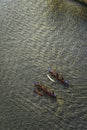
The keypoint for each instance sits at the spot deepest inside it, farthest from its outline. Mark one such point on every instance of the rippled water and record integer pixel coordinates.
(35, 35)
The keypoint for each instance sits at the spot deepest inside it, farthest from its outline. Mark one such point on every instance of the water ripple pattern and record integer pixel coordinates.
(36, 35)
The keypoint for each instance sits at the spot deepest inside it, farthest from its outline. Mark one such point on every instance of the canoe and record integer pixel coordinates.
(45, 89)
(58, 77)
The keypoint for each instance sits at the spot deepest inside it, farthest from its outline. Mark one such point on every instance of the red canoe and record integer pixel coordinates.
(45, 89)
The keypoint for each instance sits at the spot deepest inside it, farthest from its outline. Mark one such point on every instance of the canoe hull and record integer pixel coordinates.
(54, 75)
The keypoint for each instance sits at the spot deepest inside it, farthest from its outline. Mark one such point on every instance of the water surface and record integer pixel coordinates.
(35, 35)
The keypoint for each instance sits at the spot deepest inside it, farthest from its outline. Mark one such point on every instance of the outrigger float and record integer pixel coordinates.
(44, 89)
(58, 77)
(38, 92)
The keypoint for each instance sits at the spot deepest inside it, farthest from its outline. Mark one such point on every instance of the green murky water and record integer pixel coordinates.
(35, 35)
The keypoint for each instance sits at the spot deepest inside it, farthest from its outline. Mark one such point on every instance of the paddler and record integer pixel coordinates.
(60, 77)
(50, 91)
(57, 75)
(54, 73)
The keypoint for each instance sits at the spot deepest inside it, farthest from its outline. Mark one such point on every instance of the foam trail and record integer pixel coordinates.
(50, 78)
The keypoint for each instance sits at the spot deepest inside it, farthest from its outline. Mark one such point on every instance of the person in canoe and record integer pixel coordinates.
(51, 92)
(59, 76)
(54, 73)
